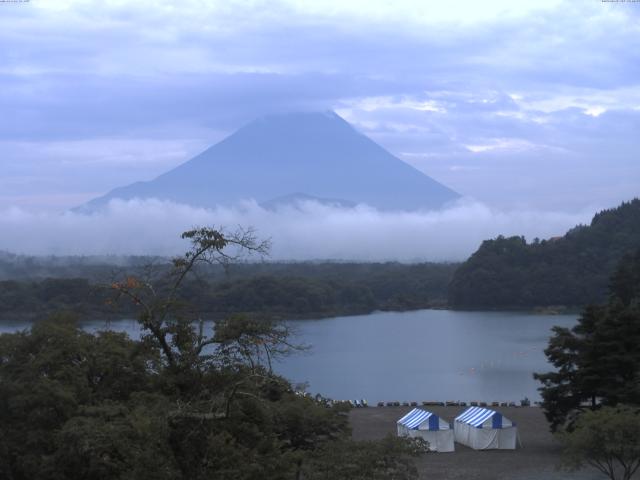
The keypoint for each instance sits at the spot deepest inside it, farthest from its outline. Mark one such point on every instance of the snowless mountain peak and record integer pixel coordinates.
(315, 154)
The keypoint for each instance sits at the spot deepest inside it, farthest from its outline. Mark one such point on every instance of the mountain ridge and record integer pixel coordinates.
(318, 155)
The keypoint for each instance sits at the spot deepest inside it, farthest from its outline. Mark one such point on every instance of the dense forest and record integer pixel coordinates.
(597, 361)
(180, 403)
(569, 271)
(591, 397)
(572, 270)
(284, 290)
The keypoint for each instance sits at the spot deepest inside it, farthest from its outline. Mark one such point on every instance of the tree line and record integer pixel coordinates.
(572, 270)
(592, 397)
(276, 290)
(505, 272)
(181, 402)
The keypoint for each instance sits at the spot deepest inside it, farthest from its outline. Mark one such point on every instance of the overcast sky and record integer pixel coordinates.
(530, 110)
(518, 105)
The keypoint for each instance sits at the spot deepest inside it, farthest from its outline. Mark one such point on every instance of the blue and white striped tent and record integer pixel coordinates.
(483, 429)
(428, 426)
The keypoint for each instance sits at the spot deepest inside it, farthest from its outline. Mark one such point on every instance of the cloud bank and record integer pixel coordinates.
(305, 231)
(535, 102)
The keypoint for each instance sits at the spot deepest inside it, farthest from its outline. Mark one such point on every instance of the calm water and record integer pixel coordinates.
(421, 355)
(425, 355)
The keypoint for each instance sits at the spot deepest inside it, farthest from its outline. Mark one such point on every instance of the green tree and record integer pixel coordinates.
(571, 270)
(165, 317)
(607, 439)
(49, 376)
(179, 404)
(597, 362)
(381, 460)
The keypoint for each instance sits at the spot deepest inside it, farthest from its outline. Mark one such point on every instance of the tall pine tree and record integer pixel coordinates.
(598, 361)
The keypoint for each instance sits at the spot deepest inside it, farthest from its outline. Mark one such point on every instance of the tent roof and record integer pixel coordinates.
(476, 416)
(415, 417)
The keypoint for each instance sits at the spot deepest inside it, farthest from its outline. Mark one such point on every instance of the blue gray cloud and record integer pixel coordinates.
(305, 231)
(531, 104)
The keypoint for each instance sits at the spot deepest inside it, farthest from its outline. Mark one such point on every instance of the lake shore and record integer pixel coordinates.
(537, 459)
(479, 356)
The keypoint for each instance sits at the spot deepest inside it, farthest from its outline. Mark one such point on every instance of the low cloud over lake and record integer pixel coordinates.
(305, 231)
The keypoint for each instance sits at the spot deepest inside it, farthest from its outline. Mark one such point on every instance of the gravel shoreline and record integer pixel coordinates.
(537, 459)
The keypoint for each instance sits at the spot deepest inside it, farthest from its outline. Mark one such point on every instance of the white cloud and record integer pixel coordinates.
(306, 231)
(421, 12)
(595, 111)
(405, 11)
(117, 152)
(463, 168)
(74, 71)
(372, 104)
(507, 144)
(591, 100)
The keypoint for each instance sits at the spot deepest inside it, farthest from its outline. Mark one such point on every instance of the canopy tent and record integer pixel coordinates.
(484, 429)
(428, 426)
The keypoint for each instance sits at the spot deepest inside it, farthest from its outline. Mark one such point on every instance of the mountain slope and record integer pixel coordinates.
(573, 270)
(314, 154)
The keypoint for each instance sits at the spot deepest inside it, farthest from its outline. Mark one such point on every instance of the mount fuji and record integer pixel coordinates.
(289, 157)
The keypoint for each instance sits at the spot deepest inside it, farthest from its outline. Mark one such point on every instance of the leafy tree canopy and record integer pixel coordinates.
(181, 403)
(597, 362)
(572, 270)
(607, 439)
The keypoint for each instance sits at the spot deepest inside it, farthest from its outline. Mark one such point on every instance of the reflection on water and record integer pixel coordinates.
(425, 355)
(405, 356)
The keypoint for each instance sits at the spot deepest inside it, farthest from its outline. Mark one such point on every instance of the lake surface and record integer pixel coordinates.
(405, 356)
(425, 355)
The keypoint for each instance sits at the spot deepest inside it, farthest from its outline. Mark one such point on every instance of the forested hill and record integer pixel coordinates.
(573, 270)
(283, 290)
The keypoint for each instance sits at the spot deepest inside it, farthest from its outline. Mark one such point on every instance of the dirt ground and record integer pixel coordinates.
(537, 459)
